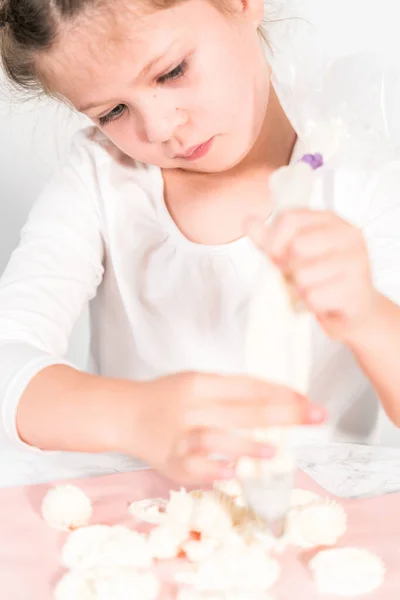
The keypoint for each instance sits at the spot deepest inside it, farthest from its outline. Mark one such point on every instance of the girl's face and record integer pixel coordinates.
(186, 87)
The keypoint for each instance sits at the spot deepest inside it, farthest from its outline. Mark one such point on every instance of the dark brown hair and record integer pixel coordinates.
(31, 27)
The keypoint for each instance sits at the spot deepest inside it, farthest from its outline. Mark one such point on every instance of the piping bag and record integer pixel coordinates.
(278, 349)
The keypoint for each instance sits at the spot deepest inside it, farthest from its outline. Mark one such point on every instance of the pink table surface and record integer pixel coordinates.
(29, 548)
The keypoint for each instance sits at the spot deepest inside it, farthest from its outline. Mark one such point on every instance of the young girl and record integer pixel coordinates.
(147, 219)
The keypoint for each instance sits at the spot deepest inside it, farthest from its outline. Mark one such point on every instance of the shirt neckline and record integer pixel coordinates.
(238, 245)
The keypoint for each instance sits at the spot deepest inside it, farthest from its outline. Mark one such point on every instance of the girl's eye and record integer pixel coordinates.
(176, 73)
(113, 115)
(119, 110)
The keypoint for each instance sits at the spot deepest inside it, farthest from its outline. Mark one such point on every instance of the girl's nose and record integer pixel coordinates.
(160, 125)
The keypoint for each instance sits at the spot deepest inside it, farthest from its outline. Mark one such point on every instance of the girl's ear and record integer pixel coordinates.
(253, 9)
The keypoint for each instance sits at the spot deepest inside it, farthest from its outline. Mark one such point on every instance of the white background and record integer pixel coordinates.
(34, 135)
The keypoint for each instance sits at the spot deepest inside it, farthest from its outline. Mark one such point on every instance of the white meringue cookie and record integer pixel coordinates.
(165, 541)
(66, 507)
(180, 507)
(75, 585)
(239, 568)
(105, 546)
(347, 572)
(302, 497)
(319, 523)
(124, 584)
(199, 550)
(107, 584)
(232, 488)
(210, 518)
(150, 511)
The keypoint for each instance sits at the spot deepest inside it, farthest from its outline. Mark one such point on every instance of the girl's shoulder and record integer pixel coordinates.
(94, 179)
(363, 195)
(97, 161)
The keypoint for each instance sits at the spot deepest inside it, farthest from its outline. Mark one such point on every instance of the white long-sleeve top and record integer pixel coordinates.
(159, 303)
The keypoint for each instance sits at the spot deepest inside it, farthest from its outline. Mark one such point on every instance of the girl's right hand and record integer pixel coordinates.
(185, 419)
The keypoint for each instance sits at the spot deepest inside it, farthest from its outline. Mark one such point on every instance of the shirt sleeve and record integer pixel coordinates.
(381, 227)
(50, 277)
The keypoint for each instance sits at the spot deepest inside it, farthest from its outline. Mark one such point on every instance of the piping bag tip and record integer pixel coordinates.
(269, 498)
(277, 527)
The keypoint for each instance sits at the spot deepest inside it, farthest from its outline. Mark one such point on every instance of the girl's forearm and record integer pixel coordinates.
(377, 350)
(65, 409)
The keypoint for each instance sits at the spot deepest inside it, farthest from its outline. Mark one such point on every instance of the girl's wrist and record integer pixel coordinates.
(363, 337)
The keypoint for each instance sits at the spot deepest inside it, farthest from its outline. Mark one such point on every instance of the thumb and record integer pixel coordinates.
(259, 233)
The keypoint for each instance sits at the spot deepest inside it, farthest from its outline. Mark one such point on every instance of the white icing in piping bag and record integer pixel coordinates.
(278, 349)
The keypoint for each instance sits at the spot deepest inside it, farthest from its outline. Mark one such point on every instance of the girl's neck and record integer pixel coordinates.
(275, 144)
(208, 209)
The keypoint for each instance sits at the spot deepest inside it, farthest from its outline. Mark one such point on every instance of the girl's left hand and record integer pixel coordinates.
(326, 261)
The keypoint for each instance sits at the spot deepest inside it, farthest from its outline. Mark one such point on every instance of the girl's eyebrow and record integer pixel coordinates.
(155, 60)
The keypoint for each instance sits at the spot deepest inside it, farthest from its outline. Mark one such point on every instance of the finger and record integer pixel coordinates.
(249, 415)
(240, 388)
(199, 468)
(274, 239)
(237, 398)
(198, 471)
(293, 241)
(219, 442)
(331, 299)
(260, 233)
(312, 243)
(317, 273)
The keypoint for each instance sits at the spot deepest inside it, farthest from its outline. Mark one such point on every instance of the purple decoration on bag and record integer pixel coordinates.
(315, 161)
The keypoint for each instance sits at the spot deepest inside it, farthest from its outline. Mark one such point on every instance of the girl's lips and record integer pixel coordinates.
(196, 152)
